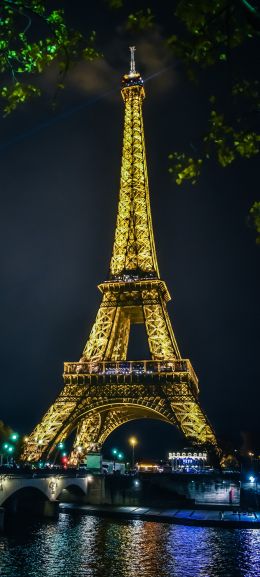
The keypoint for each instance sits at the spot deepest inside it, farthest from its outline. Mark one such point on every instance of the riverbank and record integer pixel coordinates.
(198, 517)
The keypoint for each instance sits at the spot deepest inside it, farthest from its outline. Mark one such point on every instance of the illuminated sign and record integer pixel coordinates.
(188, 455)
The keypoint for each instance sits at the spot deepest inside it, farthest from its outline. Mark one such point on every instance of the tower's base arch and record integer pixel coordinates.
(95, 410)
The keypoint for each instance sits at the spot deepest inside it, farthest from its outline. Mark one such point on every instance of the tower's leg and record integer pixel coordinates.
(102, 329)
(53, 426)
(110, 333)
(162, 342)
(87, 437)
(118, 350)
(191, 419)
(94, 429)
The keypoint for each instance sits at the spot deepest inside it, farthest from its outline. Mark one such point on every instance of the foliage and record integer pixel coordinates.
(254, 214)
(223, 141)
(5, 431)
(141, 20)
(209, 40)
(32, 37)
(214, 34)
(230, 461)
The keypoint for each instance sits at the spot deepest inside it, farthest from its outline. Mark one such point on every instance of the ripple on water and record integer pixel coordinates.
(82, 546)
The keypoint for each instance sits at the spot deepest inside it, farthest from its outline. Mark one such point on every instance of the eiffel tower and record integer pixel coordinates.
(104, 390)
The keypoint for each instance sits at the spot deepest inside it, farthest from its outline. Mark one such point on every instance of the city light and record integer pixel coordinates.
(133, 442)
(14, 436)
(251, 479)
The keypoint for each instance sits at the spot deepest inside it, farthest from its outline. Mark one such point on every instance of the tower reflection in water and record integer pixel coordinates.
(83, 546)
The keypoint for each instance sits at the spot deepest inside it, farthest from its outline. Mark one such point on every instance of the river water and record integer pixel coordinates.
(76, 545)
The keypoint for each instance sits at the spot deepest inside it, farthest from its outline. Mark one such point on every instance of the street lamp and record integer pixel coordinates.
(8, 450)
(114, 453)
(133, 443)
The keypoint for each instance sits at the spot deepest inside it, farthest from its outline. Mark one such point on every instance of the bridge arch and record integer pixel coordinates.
(71, 493)
(25, 498)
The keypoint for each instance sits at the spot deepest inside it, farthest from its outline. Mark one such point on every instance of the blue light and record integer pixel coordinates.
(251, 479)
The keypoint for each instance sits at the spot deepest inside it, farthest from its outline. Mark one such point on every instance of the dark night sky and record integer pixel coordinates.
(59, 185)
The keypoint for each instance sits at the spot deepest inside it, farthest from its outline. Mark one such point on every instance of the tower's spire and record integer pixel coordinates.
(132, 61)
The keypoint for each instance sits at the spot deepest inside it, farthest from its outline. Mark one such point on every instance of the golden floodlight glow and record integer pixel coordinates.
(104, 389)
(133, 441)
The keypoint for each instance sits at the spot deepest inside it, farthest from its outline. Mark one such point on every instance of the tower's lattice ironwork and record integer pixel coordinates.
(104, 390)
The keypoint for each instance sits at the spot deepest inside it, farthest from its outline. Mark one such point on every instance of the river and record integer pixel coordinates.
(76, 545)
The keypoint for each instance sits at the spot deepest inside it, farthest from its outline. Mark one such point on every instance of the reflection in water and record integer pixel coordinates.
(82, 546)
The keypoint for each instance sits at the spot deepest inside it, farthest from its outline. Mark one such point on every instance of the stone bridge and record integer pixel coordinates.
(41, 492)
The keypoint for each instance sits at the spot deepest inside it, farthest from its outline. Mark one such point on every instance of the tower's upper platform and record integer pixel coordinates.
(132, 82)
(133, 78)
(134, 255)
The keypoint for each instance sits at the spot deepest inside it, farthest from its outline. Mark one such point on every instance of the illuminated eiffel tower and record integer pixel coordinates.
(104, 390)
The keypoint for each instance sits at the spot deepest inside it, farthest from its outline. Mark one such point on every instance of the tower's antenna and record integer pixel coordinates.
(132, 61)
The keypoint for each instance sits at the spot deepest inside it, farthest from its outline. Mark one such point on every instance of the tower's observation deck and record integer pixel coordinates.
(104, 389)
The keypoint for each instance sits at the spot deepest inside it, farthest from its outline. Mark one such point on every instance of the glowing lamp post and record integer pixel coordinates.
(133, 443)
(114, 453)
(8, 451)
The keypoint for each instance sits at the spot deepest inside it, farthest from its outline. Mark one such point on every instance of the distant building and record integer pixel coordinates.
(188, 460)
(110, 467)
(148, 468)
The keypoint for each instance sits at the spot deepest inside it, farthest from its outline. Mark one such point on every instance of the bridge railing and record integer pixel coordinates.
(131, 368)
(43, 474)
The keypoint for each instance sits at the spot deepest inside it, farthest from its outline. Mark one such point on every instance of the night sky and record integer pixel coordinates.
(59, 189)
